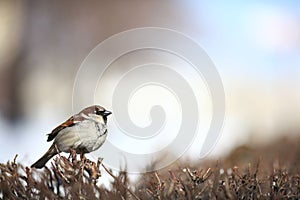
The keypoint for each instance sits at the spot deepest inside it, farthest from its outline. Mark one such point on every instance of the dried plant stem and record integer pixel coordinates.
(111, 174)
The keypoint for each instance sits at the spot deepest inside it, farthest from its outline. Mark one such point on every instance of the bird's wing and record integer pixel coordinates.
(70, 122)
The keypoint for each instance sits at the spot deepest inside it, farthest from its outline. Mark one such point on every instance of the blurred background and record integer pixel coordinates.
(254, 45)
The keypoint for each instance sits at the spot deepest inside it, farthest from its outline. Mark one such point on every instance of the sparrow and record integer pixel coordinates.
(83, 132)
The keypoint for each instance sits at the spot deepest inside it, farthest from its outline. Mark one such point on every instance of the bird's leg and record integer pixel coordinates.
(72, 154)
(82, 156)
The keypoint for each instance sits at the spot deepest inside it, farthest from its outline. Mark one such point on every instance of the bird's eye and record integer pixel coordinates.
(98, 112)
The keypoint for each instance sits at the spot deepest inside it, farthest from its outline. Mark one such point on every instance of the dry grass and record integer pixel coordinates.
(269, 172)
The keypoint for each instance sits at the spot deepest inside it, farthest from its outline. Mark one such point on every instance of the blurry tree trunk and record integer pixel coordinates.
(12, 49)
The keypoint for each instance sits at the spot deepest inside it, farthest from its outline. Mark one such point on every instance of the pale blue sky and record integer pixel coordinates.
(253, 39)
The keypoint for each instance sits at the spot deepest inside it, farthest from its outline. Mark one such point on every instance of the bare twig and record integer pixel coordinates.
(111, 174)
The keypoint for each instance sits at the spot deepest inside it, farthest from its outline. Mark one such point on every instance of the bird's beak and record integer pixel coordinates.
(106, 113)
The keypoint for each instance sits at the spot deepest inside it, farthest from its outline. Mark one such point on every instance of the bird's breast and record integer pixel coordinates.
(89, 135)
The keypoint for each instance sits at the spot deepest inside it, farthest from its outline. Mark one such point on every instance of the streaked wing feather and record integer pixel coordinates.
(70, 122)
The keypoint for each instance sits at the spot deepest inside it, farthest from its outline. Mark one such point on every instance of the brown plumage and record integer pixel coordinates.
(83, 132)
(47, 156)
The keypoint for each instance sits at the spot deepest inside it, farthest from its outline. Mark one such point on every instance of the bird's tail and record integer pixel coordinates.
(44, 159)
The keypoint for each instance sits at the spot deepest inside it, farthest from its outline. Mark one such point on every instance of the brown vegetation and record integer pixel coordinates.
(269, 172)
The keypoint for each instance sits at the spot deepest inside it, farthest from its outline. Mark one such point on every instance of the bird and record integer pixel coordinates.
(83, 132)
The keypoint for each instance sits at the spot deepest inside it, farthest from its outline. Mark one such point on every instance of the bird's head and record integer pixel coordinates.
(97, 113)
